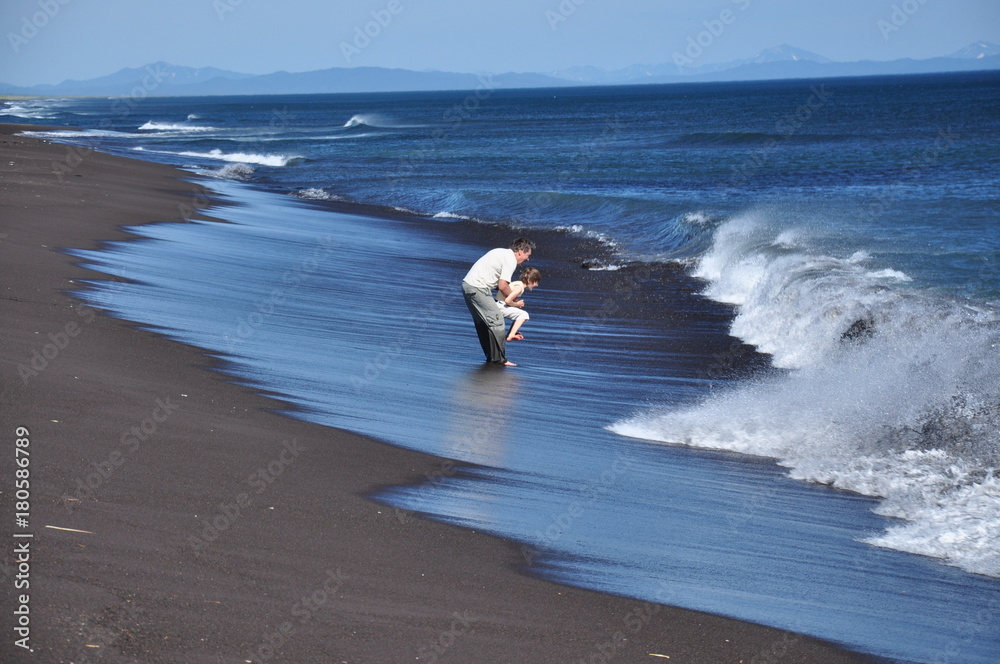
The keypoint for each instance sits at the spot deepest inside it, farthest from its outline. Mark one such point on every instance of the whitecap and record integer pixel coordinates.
(246, 158)
(889, 273)
(74, 134)
(377, 121)
(452, 215)
(173, 127)
(35, 109)
(889, 392)
(698, 218)
(317, 194)
(237, 171)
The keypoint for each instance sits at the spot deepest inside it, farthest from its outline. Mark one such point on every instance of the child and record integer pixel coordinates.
(513, 307)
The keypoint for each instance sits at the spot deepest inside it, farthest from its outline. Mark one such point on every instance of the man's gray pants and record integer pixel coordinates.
(489, 322)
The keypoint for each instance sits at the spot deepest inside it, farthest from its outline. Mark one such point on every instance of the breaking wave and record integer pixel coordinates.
(246, 158)
(890, 391)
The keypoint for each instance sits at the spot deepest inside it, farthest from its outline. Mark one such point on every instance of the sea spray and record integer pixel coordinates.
(889, 392)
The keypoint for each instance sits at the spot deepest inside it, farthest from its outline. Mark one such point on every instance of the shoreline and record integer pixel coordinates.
(136, 443)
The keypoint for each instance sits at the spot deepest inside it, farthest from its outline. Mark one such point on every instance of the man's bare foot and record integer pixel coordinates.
(515, 337)
(508, 363)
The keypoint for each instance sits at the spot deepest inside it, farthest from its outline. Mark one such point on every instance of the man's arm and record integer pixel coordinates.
(503, 287)
(509, 296)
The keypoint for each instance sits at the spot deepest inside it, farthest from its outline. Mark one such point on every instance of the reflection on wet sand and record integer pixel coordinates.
(482, 405)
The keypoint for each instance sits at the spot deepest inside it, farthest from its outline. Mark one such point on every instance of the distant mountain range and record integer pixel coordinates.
(786, 62)
(780, 62)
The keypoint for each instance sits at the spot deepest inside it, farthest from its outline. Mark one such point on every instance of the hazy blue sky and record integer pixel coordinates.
(48, 41)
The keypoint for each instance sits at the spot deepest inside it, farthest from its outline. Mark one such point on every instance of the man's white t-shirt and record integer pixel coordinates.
(496, 264)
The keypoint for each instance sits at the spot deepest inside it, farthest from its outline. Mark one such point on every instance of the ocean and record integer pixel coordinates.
(761, 376)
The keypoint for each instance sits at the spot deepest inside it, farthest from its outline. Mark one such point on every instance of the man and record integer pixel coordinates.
(495, 270)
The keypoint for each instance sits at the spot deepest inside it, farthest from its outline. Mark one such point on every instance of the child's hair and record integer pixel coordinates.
(531, 275)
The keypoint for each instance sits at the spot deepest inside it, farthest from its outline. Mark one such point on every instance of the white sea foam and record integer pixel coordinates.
(889, 273)
(35, 109)
(314, 193)
(237, 171)
(366, 119)
(583, 231)
(174, 127)
(452, 215)
(889, 392)
(77, 135)
(699, 218)
(246, 158)
(378, 120)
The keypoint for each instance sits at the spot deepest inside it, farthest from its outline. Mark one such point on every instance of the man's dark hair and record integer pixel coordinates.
(522, 244)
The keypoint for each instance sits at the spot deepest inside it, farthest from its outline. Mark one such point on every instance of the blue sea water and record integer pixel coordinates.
(761, 375)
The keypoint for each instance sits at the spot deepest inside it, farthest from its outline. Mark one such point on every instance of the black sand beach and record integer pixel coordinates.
(175, 517)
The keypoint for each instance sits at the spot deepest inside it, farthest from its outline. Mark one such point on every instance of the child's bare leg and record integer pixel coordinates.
(513, 335)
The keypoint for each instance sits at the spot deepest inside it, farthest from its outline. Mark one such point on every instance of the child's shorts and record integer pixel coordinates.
(513, 313)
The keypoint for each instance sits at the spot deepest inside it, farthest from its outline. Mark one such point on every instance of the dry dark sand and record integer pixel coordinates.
(292, 564)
